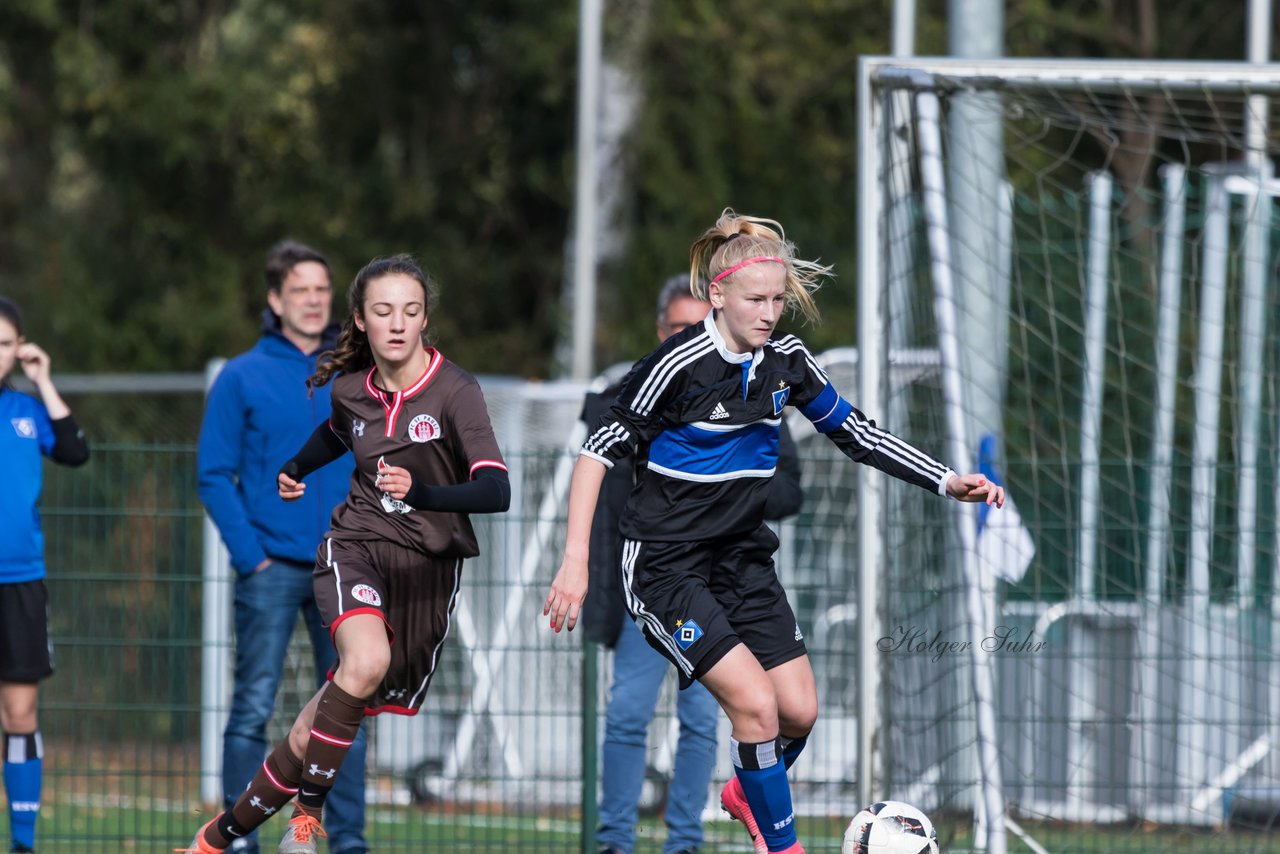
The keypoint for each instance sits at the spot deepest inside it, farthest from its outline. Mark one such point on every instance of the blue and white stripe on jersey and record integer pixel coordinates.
(707, 452)
(828, 410)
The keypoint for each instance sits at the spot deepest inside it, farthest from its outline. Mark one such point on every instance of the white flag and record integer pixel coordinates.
(1005, 546)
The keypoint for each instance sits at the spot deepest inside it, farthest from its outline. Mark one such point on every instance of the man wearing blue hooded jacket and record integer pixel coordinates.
(259, 412)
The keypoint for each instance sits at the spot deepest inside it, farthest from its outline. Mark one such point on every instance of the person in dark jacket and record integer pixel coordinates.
(31, 428)
(258, 412)
(638, 669)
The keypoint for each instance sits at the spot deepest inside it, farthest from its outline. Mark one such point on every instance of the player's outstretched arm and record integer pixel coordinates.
(974, 488)
(569, 587)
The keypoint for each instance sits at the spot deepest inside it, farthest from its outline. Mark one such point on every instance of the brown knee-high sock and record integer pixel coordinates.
(338, 717)
(271, 788)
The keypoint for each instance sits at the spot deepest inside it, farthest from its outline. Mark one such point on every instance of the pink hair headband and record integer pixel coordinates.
(736, 267)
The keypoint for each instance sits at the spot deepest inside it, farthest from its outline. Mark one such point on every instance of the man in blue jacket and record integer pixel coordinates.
(258, 413)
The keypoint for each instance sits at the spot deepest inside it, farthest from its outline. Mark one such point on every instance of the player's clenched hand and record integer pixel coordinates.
(393, 480)
(289, 489)
(974, 488)
(289, 482)
(569, 588)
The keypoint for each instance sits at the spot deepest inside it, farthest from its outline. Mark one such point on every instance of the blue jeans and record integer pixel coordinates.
(638, 671)
(266, 610)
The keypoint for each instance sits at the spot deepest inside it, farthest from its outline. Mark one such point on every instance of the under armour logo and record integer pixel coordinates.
(719, 412)
(357, 427)
(315, 771)
(396, 694)
(255, 801)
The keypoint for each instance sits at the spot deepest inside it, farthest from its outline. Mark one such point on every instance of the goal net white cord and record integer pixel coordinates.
(1086, 247)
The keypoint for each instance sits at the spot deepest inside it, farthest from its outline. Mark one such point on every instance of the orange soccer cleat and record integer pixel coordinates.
(300, 838)
(198, 845)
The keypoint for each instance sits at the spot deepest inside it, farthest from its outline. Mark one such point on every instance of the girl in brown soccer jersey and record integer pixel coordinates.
(387, 573)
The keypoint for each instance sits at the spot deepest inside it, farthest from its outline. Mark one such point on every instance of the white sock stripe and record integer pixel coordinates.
(23, 748)
(764, 754)
(330, 739)
(266, 769)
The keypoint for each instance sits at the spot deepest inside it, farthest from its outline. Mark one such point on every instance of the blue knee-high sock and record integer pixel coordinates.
(791, 748)
(23, 761)
(764, 783)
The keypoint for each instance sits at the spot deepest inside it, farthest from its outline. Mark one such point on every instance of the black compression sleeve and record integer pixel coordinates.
(322, 448)
(69, 445)
(489, 492)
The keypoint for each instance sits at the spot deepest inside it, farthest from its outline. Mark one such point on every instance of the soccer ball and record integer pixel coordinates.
(890, 827)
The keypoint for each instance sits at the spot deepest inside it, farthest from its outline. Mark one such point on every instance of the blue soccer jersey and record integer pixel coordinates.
(26, 435)
(704, 423)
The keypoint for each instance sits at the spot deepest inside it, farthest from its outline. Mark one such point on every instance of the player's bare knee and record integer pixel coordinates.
(797, 715)
(360, 675)
(299, 736)
(755, 718)
(17, 712)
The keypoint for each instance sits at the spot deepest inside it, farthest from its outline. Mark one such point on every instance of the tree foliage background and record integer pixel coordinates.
(150, 152)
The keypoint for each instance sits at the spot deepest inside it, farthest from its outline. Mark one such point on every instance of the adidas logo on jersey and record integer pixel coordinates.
(719, 412)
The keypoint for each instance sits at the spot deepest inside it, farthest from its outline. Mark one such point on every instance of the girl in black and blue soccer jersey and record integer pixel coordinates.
(32, 427)
(702, 414)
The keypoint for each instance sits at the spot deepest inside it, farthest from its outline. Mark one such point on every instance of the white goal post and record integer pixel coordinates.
(1085, 245)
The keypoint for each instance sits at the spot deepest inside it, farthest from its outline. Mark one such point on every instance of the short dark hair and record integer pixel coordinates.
(286, 255)
(9, 311)
(674, 288)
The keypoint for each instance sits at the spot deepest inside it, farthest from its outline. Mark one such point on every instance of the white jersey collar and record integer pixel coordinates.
(754, 357)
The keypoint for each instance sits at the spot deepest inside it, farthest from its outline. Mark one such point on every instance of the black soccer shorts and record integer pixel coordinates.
(695, 601)
(26, 654)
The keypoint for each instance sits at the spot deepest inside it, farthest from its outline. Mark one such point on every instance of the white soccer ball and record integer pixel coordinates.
(890, 827)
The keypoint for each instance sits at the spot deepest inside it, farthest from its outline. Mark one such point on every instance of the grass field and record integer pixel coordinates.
(79, 830)
(133, 798)
(71, 829)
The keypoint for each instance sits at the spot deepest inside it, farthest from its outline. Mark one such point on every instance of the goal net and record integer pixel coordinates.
(1085, 249)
